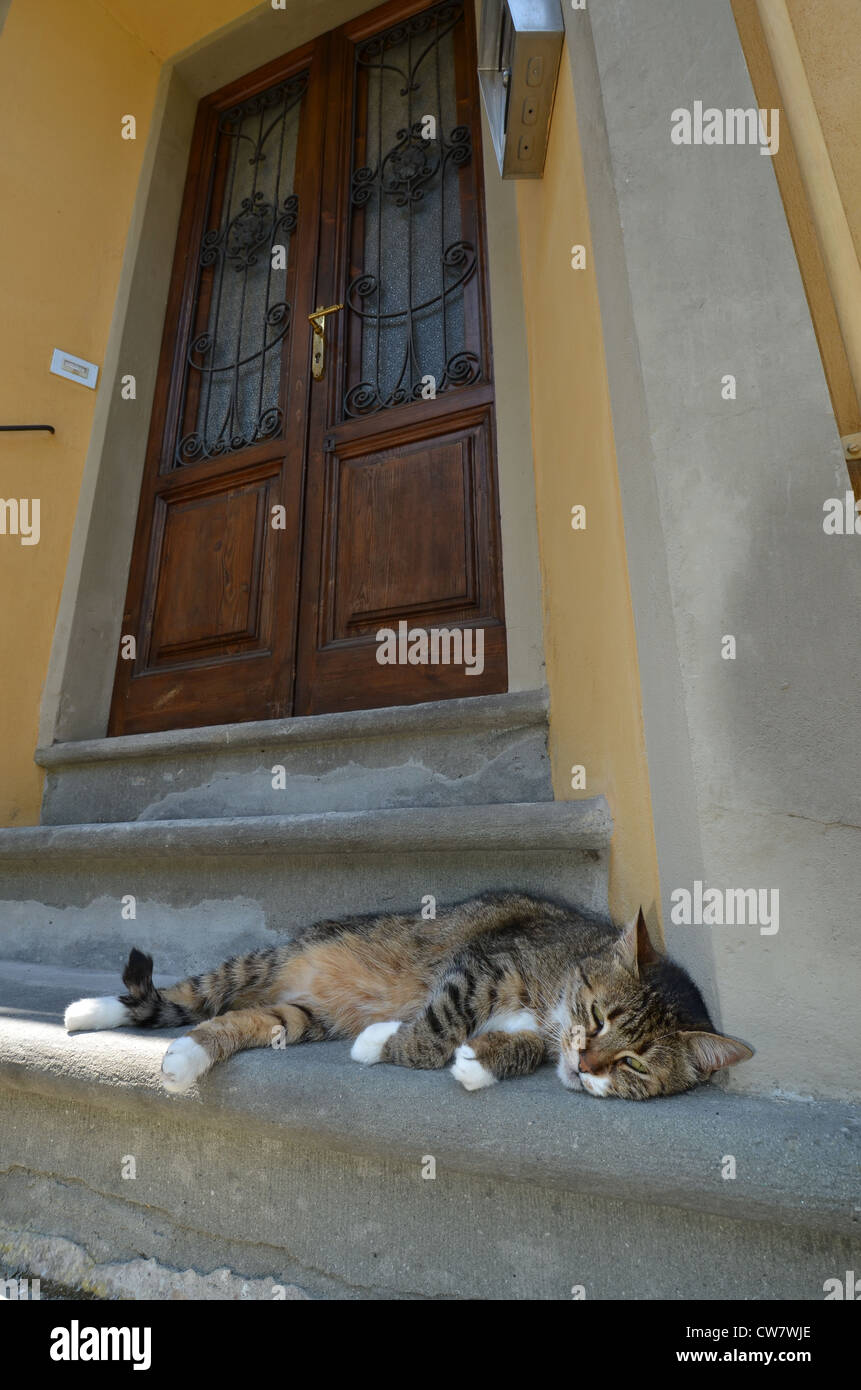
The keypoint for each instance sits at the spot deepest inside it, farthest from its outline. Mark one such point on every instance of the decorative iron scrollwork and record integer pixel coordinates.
(441, 20)
(408, 300)
(412, 165)
(231, 383)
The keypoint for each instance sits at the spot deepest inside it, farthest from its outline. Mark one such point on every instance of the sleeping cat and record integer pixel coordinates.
(495, 986)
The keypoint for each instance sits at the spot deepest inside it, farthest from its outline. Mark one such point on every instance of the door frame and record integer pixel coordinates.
(77, 695)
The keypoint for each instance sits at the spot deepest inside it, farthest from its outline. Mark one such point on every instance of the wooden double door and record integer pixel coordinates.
(304, 492)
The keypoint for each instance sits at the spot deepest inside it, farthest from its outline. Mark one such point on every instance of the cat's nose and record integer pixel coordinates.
(583, 1063)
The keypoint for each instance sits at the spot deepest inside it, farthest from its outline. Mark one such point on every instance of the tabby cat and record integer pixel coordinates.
(495, 986)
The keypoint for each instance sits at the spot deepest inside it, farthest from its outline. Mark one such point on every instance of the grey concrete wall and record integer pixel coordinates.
(76, 699)
(755, 774)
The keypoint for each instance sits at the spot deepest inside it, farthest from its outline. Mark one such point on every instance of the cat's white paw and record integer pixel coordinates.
(183, 1063)
(466, 1068)
(87, 1015)
(368, 1047)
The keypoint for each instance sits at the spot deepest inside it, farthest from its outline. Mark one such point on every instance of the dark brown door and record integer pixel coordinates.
(291, 518)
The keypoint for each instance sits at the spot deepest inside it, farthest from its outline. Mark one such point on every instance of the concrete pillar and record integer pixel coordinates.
(754, 764)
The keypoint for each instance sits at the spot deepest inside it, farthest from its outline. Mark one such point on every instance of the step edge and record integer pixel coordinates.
(516, 709)
(584, 824)
(826, 1208)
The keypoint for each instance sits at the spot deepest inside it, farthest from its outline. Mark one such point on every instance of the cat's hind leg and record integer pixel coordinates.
(277, 1025)
(497, 1056)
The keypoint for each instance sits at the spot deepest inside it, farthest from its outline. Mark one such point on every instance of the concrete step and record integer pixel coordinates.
(208, 888)
(301, 1169)
(451, 752)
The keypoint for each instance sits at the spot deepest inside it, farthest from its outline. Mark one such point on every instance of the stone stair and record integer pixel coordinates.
(479, 751)
(303, 1170)
(207, 888)
(370, 811)
(298, 1167)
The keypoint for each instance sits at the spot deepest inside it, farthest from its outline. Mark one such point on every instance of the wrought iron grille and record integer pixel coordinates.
(232, 370)
(409, 297)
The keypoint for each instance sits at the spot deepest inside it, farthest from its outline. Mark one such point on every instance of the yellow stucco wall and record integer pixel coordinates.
(829, 38)
(65, 167)
(829, 41)
(64, 162)
(68, 73)
(590, 648)
(165, 27)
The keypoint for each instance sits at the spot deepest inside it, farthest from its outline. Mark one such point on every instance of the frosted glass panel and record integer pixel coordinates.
(231, 384)
(406, 195)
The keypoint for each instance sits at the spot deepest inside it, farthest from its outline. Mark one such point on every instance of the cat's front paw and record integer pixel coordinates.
(184, 1063)
(368, 1047)
(466, 1068)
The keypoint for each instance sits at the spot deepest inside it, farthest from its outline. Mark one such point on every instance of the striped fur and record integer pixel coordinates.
(499, 984)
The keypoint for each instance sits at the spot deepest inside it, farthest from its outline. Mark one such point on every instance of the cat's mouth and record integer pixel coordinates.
(569, 1074)
(573, 1079)
(595, 1085)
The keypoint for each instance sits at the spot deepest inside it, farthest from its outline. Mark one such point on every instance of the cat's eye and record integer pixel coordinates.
(598, 1016)
(635, 1064)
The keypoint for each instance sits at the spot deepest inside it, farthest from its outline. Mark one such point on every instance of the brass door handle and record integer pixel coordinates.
(317, 321)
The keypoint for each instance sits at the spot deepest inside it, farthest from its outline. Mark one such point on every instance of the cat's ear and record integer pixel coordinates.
(646, 953)
(635, 948)
(626, 948)
(711, 1051)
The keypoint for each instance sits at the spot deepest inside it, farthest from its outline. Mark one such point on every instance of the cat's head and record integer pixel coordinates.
(635, 1025)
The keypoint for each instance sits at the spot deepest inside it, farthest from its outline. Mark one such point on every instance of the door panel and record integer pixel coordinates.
(210, 575)
(347, 173)
(410, 309)
(388, 563)
(231, 374)
(409, 535)
(402, 511)
(210, 620)
(214, 565)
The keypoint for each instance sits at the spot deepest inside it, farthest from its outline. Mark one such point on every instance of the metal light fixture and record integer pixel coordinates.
(518, 62)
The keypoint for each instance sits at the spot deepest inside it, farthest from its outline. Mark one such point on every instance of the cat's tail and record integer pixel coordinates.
(149, 1007)
(189, 1001)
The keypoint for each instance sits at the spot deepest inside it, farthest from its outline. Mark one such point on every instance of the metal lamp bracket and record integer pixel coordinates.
(519, 51)
(852, 447)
